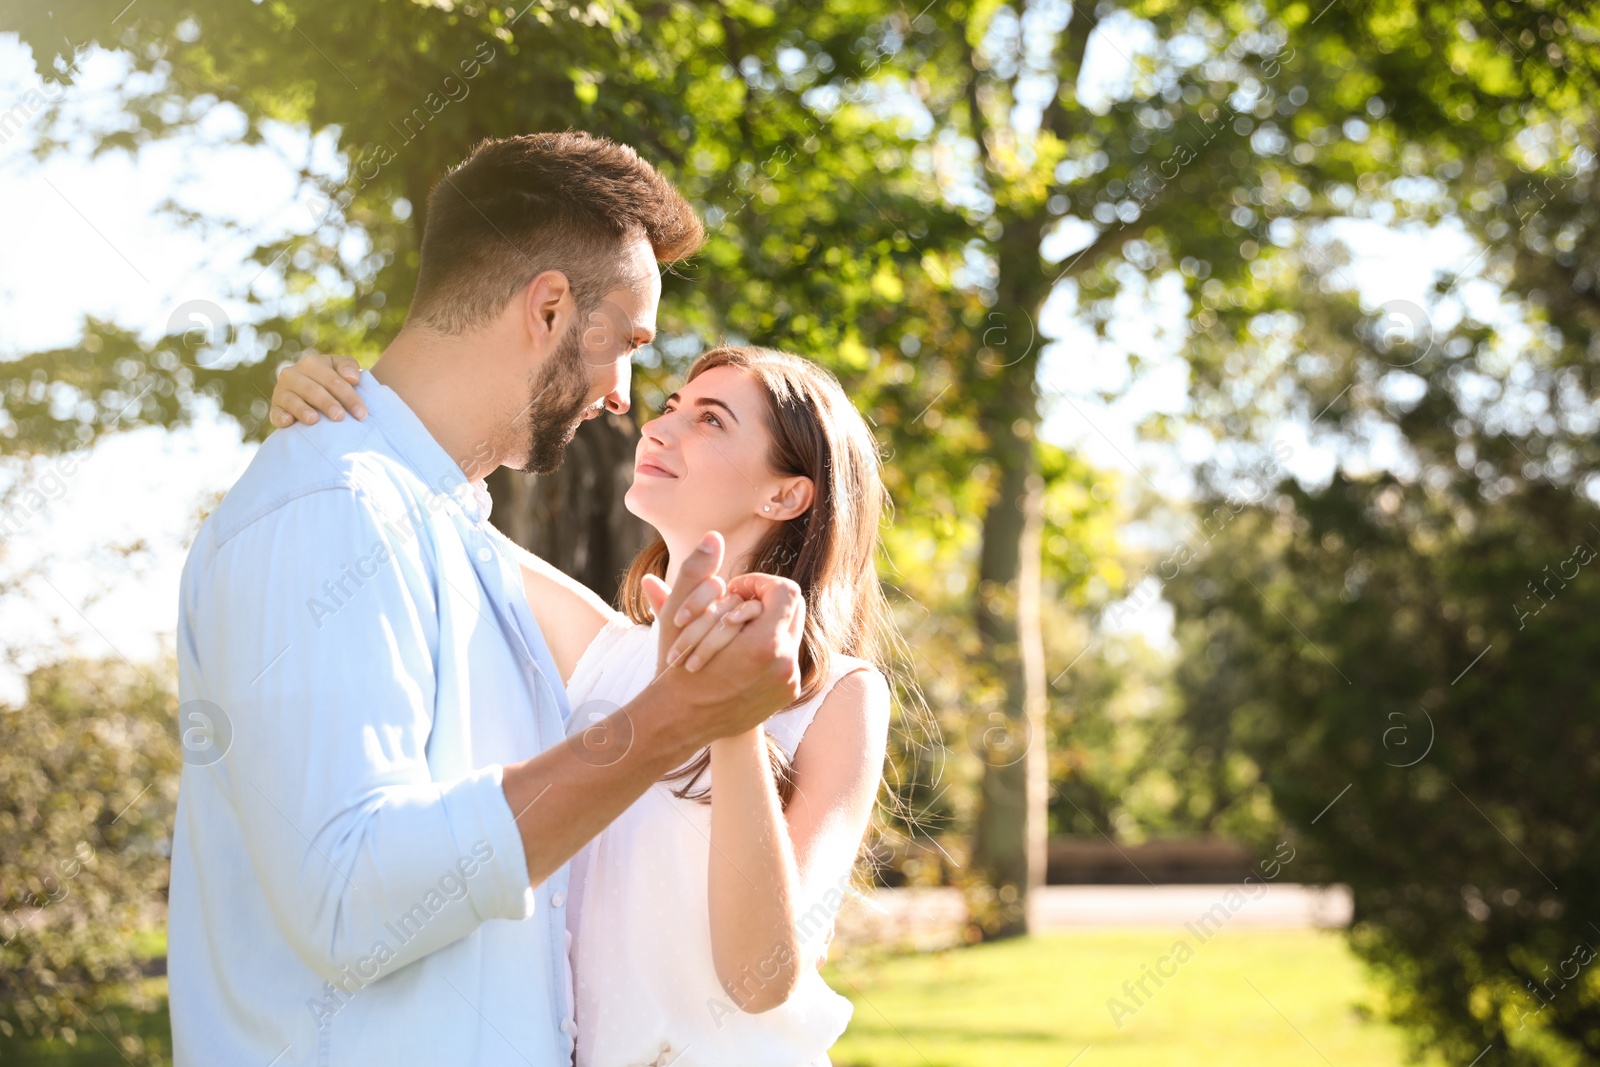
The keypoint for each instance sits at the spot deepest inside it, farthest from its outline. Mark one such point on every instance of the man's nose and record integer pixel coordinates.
(617, 399)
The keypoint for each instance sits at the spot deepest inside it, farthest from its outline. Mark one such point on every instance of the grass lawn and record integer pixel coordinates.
(1281, 997)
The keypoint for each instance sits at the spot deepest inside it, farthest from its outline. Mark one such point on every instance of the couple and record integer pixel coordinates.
(443, 805)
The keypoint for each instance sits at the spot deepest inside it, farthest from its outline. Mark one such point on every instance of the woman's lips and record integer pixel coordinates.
(654, 470)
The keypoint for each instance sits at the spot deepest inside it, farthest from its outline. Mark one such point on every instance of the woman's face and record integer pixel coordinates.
(702, 464)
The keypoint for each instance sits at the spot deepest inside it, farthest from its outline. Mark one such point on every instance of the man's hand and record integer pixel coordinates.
(716, 627)
(562, 799)
(758, 654)
(703, 618)
(713, 631)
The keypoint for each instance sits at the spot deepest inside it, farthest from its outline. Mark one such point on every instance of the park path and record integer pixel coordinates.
(932, 917)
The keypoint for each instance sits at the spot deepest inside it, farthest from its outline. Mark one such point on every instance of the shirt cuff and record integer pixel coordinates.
(481, 819)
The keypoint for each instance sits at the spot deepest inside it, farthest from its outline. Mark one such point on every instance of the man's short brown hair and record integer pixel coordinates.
(519, 206)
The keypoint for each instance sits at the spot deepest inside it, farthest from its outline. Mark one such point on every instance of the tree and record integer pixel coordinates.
(759, 113)
(1135, 181)
(1402, 649)
(397, 102)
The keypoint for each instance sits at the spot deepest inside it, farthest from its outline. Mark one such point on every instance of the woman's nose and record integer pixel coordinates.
(667, 427)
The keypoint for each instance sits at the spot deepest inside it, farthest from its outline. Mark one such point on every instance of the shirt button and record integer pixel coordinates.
(485, 555)
(557, 899)
(566, 1026)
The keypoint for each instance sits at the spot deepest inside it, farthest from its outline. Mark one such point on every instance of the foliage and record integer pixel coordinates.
(935, 772)
(1423, 719)
(881, 190)
(830, 230)
(658, 76)
(90, 767)
(1434, 590)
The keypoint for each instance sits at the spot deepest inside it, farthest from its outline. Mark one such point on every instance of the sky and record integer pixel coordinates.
(88, 237)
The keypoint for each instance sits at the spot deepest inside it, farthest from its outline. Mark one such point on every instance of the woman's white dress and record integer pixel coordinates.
(646, 990)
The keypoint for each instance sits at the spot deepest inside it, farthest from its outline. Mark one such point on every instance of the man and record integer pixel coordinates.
(378, 805)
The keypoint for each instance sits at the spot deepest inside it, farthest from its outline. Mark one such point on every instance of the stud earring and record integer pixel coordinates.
(766, 507)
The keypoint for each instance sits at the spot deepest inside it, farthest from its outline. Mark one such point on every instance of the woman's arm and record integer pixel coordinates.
(568, 612)
(765, 861)
(837, 771)
(317, 383)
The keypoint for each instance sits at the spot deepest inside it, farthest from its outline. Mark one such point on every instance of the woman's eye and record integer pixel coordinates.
(711, 417)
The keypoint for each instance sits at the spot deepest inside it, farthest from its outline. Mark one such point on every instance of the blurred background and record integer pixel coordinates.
(1234, 364)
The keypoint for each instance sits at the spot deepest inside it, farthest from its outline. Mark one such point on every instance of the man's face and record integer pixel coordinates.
(558, 397)
(590, 371)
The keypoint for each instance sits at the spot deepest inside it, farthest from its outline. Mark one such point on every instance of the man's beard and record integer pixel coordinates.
(558, 398)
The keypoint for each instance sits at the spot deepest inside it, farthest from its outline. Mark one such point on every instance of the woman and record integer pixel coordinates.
(699, 916)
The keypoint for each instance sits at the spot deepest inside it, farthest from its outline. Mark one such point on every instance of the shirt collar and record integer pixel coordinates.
(421, 452)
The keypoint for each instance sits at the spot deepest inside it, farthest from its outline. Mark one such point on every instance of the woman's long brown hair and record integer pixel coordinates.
(829, 551)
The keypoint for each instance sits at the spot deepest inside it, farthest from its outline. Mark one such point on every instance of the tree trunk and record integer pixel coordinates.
(1009, 840)
(1013, 812)
(574, 518)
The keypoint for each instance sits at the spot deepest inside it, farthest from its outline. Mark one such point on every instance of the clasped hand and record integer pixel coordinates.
(757, 619)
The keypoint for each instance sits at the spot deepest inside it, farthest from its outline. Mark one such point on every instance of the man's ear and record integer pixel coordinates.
(548, 307)
(794, 498)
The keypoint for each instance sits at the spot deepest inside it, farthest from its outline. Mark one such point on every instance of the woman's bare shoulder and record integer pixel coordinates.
(570, 614)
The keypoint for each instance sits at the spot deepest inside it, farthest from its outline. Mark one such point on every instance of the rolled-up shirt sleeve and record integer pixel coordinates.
(325, 655)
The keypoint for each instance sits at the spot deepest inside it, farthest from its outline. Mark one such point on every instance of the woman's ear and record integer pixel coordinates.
(793, 499)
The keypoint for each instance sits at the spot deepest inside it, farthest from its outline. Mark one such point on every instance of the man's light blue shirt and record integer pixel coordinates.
(357, 663)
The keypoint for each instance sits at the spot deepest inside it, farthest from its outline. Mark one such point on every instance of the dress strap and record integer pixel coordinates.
(788, 727)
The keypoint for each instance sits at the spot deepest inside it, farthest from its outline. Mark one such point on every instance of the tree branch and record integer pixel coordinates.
(980, 126)
(1084, 259)
(1070, 49)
